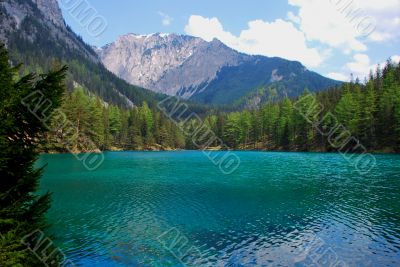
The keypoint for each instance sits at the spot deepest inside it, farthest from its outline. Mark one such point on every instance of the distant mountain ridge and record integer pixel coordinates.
(36, 35)
(205, 72)
(168, 63)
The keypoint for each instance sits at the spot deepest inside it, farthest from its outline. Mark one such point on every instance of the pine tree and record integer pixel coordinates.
(178, 137)
(96, 123)
(106, 124)
(368, 113)
(256, 127)
(348, 111)
(115, 123)
(270, 115)
(396, 103)
(386, 114)
(78, 113)
(305, 116)
(286, 124)
(148, 124)
(232, 130)
(245, 127)
(21, 208)
(123, 134)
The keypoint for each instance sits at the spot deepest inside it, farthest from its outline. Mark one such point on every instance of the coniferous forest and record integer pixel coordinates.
(370, 111)
(110, 127)
(22, 208)
(225, 199)
(98, 106)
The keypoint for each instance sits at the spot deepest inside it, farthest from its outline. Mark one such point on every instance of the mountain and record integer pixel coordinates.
(36, 35)
(32, 20)
(167, 63)
(206, 72)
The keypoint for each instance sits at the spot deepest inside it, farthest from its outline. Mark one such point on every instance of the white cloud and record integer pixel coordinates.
(208, 29)
(387, 15)
(344, 24)
(166, 19)
(382, 5)
(338, 76)
(278, 38)
(320, 21)
(395, 59)
(360, 67)
(292, 17)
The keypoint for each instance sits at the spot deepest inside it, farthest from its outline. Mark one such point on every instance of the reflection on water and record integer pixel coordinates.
(176, 208)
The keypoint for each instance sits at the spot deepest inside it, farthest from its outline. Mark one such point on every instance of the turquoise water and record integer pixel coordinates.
(178, 209)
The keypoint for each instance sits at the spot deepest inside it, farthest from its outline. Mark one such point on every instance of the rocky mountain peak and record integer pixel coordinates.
(50, 22)
(144, 59)
(51, 10)
(207, 72)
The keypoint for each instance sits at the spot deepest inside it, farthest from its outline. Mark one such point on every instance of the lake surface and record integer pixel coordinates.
(177, 209)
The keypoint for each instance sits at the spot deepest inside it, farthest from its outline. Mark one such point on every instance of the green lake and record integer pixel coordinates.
(179, 209)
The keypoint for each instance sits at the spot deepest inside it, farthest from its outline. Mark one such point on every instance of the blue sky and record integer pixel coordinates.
(332, 37)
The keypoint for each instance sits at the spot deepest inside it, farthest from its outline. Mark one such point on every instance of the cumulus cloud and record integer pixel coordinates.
(347, 24)
(395, 59)
(314, 31)
(166, 19)
(292, 17)
(360, 67)
(208, 29)
(338, 76)
(278, 38)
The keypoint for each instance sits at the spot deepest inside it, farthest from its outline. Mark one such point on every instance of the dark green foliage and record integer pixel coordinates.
(99, 126)
(237, 84)
(40, 55)
(21, 209)
(371, 112)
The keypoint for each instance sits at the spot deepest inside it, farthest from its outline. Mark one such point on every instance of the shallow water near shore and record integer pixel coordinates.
(177, 209)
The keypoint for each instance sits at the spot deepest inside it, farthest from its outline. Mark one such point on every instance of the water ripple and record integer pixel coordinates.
(277, 209)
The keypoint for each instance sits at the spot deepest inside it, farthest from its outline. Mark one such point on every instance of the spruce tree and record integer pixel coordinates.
(96, 124)
(21, 128)
(368, 112)
(148, 124)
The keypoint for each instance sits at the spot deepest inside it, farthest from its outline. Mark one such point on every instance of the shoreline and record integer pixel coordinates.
(377, 152)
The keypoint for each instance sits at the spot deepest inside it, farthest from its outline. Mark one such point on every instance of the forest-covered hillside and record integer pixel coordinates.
(369, 112)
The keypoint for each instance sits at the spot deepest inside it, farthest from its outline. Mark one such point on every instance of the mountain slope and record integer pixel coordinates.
(36, 35)
(289, 77)
(167, 63)
(206, 72)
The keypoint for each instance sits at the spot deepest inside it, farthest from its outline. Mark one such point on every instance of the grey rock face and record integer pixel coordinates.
(11, 16)
(168, 63)
(13, 13)
(205, 72)
(51, 10)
